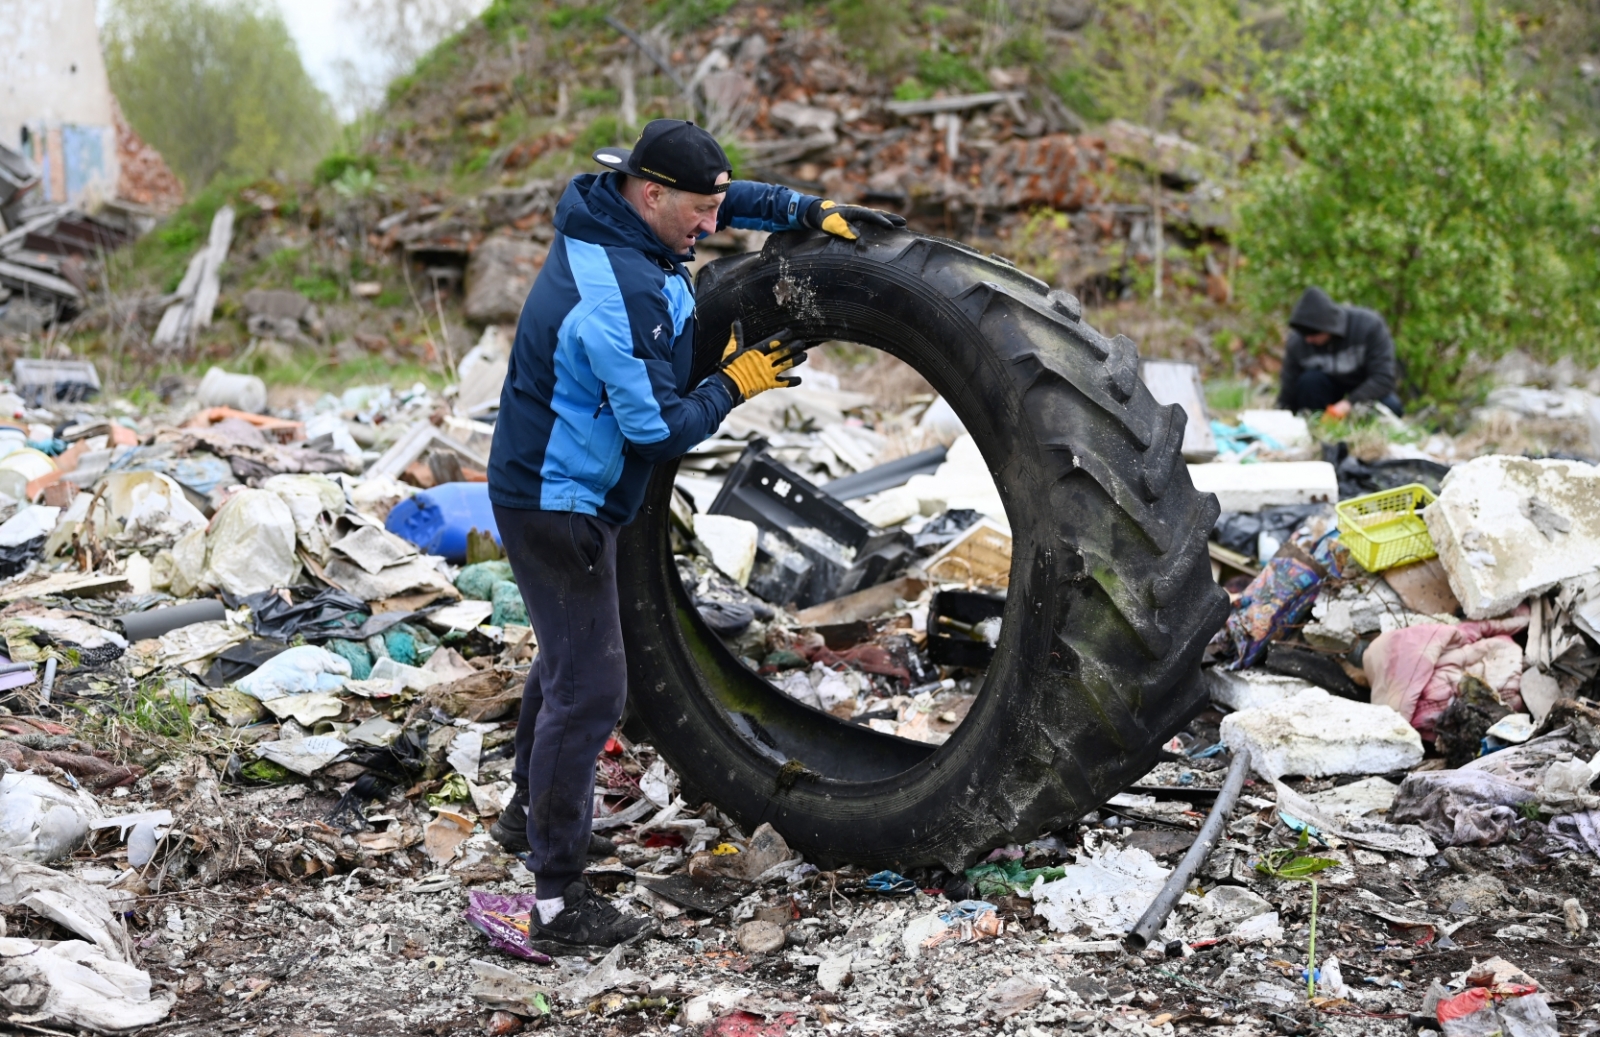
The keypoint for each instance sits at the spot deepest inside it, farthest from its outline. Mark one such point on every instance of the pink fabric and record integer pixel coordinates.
(1415, 670)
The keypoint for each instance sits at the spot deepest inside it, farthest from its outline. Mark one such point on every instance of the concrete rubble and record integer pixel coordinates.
(292, 833)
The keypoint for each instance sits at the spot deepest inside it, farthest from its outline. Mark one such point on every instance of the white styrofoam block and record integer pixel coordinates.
(732, 543)
(1498, 528)
(1247, 689)
(1288, 429)
(1315, 734)
(1251, 487)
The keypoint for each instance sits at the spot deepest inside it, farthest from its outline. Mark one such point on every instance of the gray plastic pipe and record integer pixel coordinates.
(141, 625)
(1155, 916)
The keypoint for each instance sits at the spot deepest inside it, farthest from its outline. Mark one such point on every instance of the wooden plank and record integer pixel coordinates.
(65, 583)
(32, 281)
(936, 105)
(981, 556)
(1173, 381)
(863, 604)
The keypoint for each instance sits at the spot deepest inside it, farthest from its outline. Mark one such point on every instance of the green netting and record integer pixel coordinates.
(477, 581)
(356, 653)
(508, 606)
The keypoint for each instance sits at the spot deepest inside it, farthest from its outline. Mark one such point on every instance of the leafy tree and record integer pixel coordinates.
(216, 86)
(1412, 178)
(1178, 65)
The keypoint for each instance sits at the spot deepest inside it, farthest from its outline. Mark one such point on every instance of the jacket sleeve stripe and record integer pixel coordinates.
(607, 337)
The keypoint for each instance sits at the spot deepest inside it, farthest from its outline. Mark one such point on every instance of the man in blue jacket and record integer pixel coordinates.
(597, 392)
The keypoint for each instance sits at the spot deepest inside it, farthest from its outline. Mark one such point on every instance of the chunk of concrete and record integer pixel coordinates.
(1508, 528)
(1250, 689)
(1315, 734)
(759, 937)
(1251, 487)
(832, 972)
(499, 276)
(1174, 381)
(732, 543)
(1233, 904)
(1357, 799)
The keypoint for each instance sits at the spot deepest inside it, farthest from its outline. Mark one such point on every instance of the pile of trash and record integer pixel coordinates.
(262, 673)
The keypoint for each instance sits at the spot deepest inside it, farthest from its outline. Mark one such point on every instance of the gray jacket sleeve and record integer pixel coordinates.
(1381, 369)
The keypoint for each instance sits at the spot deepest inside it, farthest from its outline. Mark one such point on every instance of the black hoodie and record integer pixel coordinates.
(1359, 358)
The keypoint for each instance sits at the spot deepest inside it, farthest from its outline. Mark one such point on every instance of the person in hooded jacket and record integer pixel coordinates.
(598, 392)
(1336, 355)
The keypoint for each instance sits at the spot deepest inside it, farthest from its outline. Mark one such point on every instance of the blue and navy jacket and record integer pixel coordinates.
(597, 390)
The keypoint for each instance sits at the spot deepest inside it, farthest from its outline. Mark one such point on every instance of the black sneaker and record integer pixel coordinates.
(510, 830)
(587, 923)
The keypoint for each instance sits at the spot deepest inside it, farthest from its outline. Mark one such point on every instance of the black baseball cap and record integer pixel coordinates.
(673, 152)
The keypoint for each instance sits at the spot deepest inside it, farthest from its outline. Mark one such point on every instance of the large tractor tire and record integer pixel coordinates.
(1111, 597)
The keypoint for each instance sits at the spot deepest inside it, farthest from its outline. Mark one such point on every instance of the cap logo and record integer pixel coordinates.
(609, 159)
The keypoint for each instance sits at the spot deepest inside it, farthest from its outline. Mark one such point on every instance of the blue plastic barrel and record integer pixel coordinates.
(438, 520)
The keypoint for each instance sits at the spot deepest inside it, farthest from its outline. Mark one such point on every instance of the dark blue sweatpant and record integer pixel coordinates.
(565, 565)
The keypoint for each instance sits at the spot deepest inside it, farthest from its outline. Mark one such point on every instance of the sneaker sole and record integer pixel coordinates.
(556, 947)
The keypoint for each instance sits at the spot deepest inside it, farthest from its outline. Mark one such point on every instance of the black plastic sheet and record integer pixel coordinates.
(328, 614)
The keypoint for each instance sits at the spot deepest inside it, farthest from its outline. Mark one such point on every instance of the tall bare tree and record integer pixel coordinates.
(395, 35)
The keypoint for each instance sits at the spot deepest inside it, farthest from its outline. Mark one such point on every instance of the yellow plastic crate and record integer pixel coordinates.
(1383, 530)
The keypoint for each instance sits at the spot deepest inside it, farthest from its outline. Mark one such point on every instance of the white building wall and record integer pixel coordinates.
(53, 85)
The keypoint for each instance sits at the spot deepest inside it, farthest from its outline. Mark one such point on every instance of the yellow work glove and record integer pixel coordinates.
(753, 369)
(842, 220)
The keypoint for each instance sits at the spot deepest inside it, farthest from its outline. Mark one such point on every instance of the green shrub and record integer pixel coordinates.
(319, 288)
(1421, 188)
(600, 133)
(937, 69)
(579, 15)
(337, 164)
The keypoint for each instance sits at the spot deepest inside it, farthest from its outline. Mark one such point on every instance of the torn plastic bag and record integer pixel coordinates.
(1357, 477)
(1481, 803)
(1260, 534)
(144, 505)
(40, 820)
(504, 920)
(72, 983)
(1105, 890)
(14, 559)
(241, 660)
(297, 671)
(398, 763)
(1283, 592)
(347, 814)
(1509, 1009)
(943, 528)
(248, 548)
(1582, 830)
(330, 613)
(87, 909)
(29, 523)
